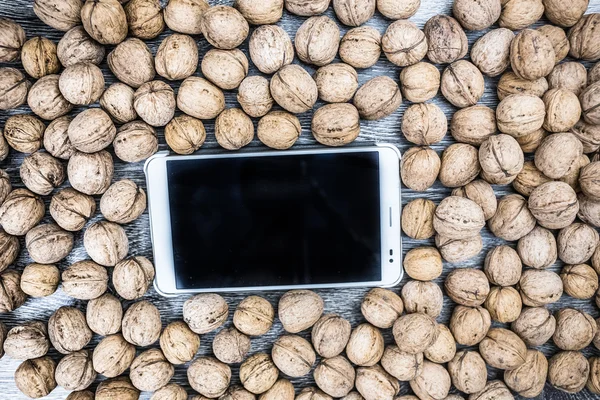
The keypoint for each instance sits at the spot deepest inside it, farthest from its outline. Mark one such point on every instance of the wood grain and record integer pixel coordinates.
(345, 301)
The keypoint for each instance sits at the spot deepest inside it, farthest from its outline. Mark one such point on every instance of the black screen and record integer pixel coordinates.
(276, 220)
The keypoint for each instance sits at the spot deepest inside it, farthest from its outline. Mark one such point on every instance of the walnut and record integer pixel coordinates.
(590, 180)
(185, 134)
(564, 16)
(85, 280)
(583, 38)
(434, 382)
(293, 355)
(467, 286)
(501, 159)
(135, 141)
(423, 263)
(330, 334)
(5, 186)
(205, 312)
(531, 55)
(519, 14)
(336, 83)
(224, 27)
(423, 297)
(402, 366)
(71, 210)
(150, 370)
(473, 125)
(231, 346)
(403, 43)
(154, 102)
(568, 371)
(90, 173)
(579, 281)
(443, 349)
(145, 18)
(304, 9)
(468, 371)
(91, 130)
(12, 39)
(132, 277)
(336, 124)
(481, 193)
(281, 390)
(588, 135)
(361, 47)
(593, 384)
(394, 10)
(458, 250)
(512, 220)
(40, 280)
(538, 248)
(20, 212)
(254, 96)
(562, 110)
(46, 100)
(13, 88)
(554, 204)
(576, 243)
(225, 68)
(178, 343)
(263, 13)
(460, 165)
(104, 315)
(504, 304)
(172, 391)
(417, 219)
(258, 373)
(493, 390)
(377, 98)
(420, 167)
(335, 376)
(75, 371)
(558, 39)
(312, 393)
(420, 82)
(81, 84)
(529, 178)
(132, 62)
(56, 138)
(365, 346)
(469, 325)
(476, 15)
(575, 329)
(200, 98)
(299, 310)
(491, 52)
(590, 99)
(76, 46)
(528, 380)
(414, 333)
(270, 48)
(27, 341)
(106, 243)
(375, 383)
(141, 324)
(458, 218)
(235, 392)
(381, 307)
(511, 84)
(531, 141)
(185, 16)
(38, 56)
(117, 388)
(588, 210)
(123, 202)
(503, 349)
(279, 130)
(254, 316)
(35, 378)
(540, 287)
(233, 129)
(48, 243)
(520, 114)
(446, 39)
(177, 57)
(105, 21)
(594, 74)
(458, 76)
(317, 40)
(24, 132)
(354, 13)
(352, 396)
(41, 173)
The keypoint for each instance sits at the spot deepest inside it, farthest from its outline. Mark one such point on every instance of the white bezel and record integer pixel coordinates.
(160, 219)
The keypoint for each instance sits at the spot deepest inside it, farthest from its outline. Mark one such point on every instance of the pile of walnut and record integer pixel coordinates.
(548, 107)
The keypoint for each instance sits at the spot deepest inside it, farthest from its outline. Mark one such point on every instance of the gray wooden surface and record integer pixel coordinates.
(345, 301)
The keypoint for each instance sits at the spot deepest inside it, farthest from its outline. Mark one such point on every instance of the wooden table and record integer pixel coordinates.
(343, 301)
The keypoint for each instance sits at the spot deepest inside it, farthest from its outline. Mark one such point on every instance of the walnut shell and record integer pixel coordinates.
(417, 219)
(20, 212)
(258, 373)
(330, 334)
(5, 187)
(336, 83)
(336, 124)
(266, 12)
(132, 277)
(562, 110)
(589, 180)
(540, 287)
(473, 125)
(48, 244)
(40, 280)
(270, 49)
(279, 129)
(294, 89)
(12, 39)
(579, 281)
(520, 114)
(375, 383)
(467, 286)
(503, 266)
(11, 295)
(293, 355)
(446, 39)
(200, 98)
(558, 39)
(568, 371)
(569, 75)
(113, 355)
(45, 98)
(254, 96)
(476, 16)
(434, 382)
(469, 325)
(423, 297)
(185, 134)
(583, 38)
(360, 47)
(468, 371)
(24, 133)
(135, 141)
(178, 343)
(402, 366)
(462, 84)
(381, 307)
(529, 178)
(518, 14)
(299, 310)
(503, 349)
(493, 390)
(225, 68)
(444, 347)
(13, 87)
(38, 56)
(590, 98)
(234, 392)
(27, 341)
(365, 346)
(177, 57)
(423, 263)
(593, 384)
(501, 159)
(531, 55)
(56, 138)
(554, 204)
(281, 390)
(335, 376)
(414, 333)
(81, 84)
(403, 43)
(575, 329)
(224, 27)
(105, 21)
(491, 52)
(512, 220)
(377, 98)
(90, 173)
(117, 101)
(458, 250)
(132, 62)
(41, 173)
(317, 40)
(106, 243)
(150, 371)
(594, 74)
(303, 8)
(123, 202)
(504, 304)
(84, 280)
(353, 13)
(419, 168)
(117, 388)
(420, 82)
(145, 18)
(233, 129)
(531, 141)
(91, 130)
(510, 84)
(312, 393)
(254, 316)
(528, 380)
(481, 193)
(205, 312)
(71, 210)
(185, 16)
(231, 346)
(35, 378)
(576, 243)
(588, 210)
(154, 102)
(104, 315)
(172, 391)
(458, 218)
(75, 371)
(141, 324)
(76, 46)
(460, 165)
